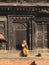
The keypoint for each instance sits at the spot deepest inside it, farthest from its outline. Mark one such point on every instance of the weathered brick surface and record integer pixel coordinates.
(23, 61)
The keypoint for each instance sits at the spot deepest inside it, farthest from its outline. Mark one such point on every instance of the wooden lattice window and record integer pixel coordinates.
(2, 26)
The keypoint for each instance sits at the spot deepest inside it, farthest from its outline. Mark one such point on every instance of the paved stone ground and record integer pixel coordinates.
(14, 58)
(24, 61)
(17, 53)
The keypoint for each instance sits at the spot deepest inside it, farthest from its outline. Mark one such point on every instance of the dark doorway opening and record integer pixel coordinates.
(20, 33)
(20, 36)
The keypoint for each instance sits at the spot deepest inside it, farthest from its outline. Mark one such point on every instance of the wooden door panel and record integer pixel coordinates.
(41, 35)
(19, 34)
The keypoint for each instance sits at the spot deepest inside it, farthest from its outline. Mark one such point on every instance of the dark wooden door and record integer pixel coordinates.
(19, 34)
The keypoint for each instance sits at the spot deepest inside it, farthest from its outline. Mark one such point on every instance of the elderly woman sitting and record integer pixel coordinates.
(24, 48)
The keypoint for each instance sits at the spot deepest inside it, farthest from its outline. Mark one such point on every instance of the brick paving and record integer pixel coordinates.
(24, 61)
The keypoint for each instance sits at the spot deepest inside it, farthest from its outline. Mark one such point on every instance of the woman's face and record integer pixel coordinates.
(24, 41)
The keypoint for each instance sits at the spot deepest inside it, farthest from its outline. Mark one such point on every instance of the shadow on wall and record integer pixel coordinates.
(33, 63)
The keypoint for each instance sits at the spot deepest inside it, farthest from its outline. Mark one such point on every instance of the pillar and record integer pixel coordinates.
(30, 40)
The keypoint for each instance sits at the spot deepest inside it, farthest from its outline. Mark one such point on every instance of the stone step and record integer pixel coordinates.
(17, 53)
